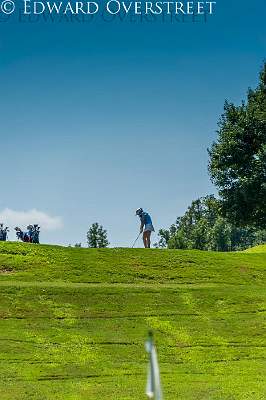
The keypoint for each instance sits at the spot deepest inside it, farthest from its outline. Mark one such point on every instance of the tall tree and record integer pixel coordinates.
(237, 163)
(97, 236)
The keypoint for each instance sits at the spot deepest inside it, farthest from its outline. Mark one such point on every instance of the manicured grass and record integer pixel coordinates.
(73, 323)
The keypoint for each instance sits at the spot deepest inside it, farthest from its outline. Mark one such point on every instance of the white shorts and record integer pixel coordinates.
(149, 228)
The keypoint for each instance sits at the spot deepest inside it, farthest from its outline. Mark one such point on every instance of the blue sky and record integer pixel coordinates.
(98, 118)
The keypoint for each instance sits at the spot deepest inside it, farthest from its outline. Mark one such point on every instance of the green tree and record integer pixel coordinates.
(97, 236)
(164, 236)
(219, 236)
(203, 228)
(237, 163)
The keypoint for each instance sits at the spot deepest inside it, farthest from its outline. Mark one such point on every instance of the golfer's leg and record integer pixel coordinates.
(148, 239)
(144, 239)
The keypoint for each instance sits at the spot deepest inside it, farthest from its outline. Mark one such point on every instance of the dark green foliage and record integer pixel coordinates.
(238, 159)
(203, 228)
(97, 236)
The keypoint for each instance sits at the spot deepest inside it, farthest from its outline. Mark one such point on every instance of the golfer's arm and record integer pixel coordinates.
(141, 226)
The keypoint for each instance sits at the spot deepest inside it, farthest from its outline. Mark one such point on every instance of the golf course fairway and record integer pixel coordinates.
(73, 323)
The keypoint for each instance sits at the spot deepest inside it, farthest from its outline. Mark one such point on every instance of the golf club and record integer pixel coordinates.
(136, 240)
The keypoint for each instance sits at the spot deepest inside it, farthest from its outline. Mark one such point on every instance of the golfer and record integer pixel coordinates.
(146, 227)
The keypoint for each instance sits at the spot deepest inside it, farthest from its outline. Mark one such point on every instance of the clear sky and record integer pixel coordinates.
(99, 118)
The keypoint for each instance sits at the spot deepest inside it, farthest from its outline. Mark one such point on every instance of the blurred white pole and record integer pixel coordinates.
(153, 388)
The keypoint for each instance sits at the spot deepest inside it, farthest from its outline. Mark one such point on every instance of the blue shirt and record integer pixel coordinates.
(145, 219)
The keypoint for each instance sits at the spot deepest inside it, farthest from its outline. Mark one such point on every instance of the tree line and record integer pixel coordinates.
(202, 227)
(237, 167)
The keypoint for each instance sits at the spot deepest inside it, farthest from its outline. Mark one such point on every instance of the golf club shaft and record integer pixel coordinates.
(136, 240)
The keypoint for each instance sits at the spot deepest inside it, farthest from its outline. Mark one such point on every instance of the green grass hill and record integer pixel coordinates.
(73, 323)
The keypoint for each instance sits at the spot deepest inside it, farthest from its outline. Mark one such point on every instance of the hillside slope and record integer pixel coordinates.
(73, 322)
